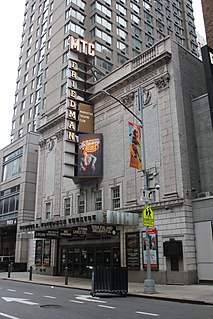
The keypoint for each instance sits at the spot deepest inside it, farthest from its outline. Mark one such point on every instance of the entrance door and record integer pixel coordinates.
(79, 260)
(174, 270)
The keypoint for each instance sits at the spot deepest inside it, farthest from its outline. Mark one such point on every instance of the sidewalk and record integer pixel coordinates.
(201, 294)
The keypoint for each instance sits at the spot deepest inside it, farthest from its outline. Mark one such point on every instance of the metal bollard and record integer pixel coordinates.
(31, 273)
(9, 270)
(66, 275)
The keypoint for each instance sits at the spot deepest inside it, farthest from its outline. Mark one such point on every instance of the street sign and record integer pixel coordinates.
(148, 216)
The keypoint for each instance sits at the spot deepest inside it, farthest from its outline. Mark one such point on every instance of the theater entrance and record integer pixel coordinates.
(80, 259)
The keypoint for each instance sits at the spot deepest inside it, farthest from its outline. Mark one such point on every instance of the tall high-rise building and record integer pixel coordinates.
(207, 14)
(119, 30)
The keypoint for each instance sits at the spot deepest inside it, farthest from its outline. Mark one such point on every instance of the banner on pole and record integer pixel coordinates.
(135, 139)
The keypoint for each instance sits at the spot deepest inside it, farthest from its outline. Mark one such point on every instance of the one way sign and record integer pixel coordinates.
(148, 216)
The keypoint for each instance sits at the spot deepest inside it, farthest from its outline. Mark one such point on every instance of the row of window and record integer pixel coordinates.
(81, 203)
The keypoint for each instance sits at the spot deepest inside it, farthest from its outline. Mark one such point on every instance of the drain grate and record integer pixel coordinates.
(50, 306)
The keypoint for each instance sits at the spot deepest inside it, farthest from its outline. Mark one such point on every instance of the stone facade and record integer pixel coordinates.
(169, 82)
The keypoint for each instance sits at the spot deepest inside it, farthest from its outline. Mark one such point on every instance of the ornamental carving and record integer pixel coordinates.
(147, 97)
(162, 82)
(59, 135)
(42, 144)
(50, 144)
(128, 99)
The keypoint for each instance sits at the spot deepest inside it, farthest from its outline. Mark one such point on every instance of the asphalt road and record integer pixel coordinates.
(32, 301)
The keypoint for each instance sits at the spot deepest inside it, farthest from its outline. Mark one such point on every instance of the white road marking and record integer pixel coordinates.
(50, 297)
(8, 316)
(28, 293)
(110, 307)
(13, 290)
(89, 298)
(148, 313)
(20, 300)
(76, 301)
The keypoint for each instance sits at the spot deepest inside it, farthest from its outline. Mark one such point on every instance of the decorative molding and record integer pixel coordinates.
(50, 144)
(147, 97)
(59, 135)
(128, 99)
(162, 82)
(42, 144)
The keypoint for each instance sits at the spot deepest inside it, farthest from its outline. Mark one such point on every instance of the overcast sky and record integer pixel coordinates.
(11, 20)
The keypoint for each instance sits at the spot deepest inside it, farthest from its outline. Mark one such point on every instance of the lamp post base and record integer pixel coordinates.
(149, 286)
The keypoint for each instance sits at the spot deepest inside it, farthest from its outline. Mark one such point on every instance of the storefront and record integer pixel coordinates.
(8, 237)
(79, 248)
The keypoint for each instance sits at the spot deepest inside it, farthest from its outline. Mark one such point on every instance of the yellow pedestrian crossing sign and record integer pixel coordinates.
(148, 216)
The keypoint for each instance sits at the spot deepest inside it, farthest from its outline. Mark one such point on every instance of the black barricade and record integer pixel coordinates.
(109, 280)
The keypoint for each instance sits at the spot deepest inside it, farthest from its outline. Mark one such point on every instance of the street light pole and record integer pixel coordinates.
(149, 284)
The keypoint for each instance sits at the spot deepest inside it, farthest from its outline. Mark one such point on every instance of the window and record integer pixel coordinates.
(135, 18)
(102, 35)
(20, 133)
(9, 202)
(121, 59)
(105, 23)
(70, 26)
(81, 203)
(45, 87)
(103, 49)
(24, 92)
(63, 89)
(67, 206)
(31, 98)
(46, 73)
(26, 77)
(12, 164)
(136, 43)
(122, 46)
(102, 8)
(98, 200)
(44, 103)
(21, 119)
(23, 105)
(121, 33)
(116, 202)
(121, 9)
(48, 210)
(63, 73)
(65, 57)
(75, 14)
(30, 112)
(121, 21)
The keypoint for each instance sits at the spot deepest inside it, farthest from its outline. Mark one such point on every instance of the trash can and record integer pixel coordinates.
(109, 280)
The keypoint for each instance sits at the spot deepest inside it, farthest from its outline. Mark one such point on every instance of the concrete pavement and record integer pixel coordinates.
(201, 294)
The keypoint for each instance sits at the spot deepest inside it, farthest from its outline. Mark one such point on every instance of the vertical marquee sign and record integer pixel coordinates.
(79, 113)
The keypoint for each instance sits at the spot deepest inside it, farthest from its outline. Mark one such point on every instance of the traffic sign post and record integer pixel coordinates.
(148, 221)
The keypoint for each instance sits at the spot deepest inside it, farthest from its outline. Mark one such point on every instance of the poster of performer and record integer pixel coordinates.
(153, 244)
(90, 156)
(135, 145)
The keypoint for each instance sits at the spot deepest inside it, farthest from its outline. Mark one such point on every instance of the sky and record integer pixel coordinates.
(11, 22)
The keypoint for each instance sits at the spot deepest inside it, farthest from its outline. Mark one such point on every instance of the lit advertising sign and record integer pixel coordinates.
(82, 46)
(90, 155)
(153, 244)
(85, 118)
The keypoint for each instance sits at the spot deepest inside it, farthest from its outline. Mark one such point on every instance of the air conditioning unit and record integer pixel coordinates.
(204, 194)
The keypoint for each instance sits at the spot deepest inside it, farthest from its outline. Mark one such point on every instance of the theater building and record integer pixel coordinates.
(93, 183)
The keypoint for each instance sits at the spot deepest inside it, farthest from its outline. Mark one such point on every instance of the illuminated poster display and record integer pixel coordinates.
(135, 145)
(153, 248)
(132, 251)
(90, 155)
